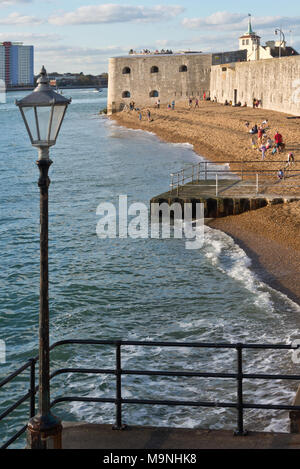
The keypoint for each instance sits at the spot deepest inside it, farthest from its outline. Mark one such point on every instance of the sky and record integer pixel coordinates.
(80, 36)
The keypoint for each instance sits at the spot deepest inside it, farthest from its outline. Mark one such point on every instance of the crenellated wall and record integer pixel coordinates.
(169, 82)
(276, 82)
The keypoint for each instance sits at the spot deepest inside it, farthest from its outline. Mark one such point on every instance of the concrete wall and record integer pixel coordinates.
(169, 81)
(276, 82)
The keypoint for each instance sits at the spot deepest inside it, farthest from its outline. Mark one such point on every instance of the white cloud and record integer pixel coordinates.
(220, 18)
(8, 3)
(18, 19)
(76, 59)
(30, 38)
(225, 21)
(111, 13)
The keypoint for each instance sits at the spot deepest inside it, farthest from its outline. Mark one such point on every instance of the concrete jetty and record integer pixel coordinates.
(228, 197)
(93, 436)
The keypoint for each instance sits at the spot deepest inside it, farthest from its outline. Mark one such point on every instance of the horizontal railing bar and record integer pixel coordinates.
(174, 374)
(14, 438)
(188, 374)
(210, 375)
(271, 406)
(83, 399)
(267, 376)
(179, 403)
(210, 404)
(144, 401)
(165, 402)
(224, 345)
(145, 373)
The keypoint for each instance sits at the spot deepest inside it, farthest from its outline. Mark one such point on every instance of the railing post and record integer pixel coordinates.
(172, 182)
(192, 174)
(240, 407)
(182, 177)
(217, 185)
(205, 170)
(199, 172)
(295, 415)
(118, 425)
(32, 388)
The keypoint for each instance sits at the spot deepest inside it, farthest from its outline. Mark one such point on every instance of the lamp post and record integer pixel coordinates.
(278, 30)
(43, 112)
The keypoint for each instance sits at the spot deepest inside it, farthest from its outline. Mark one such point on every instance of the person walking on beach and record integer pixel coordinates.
(190, 102)
(260, 133)
(197, 103)
(140, 116)
(173, 104)
(263, 150)
(290, 161)
(149, 115)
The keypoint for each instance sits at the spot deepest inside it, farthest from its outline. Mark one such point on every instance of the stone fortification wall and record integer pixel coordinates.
(276, 82)
(146, 78)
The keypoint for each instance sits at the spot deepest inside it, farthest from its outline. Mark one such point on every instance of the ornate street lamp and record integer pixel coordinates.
(43, 112)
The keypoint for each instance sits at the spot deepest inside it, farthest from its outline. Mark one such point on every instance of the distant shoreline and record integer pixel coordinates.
(69, 87)
(270, 236)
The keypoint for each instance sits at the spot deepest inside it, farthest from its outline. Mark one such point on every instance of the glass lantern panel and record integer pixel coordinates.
(44, 115)
(31, 121)
(56, 120)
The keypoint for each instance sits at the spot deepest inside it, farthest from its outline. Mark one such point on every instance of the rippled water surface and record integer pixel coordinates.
(142, 289)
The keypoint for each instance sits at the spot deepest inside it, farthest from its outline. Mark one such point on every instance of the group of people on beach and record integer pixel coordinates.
(194, 102)
(262, 142)
(256, 103)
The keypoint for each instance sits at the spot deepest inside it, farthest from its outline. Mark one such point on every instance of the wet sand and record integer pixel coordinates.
(270, 236)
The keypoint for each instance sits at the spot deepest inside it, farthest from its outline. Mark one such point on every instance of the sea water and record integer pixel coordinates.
(138, 289)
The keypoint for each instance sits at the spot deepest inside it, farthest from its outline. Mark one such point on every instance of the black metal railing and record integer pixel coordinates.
(118, 372)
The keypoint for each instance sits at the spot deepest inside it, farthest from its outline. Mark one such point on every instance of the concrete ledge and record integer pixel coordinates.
(93, 436)
(232, 199)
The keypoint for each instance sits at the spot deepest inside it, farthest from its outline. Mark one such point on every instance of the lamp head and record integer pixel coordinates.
(43, 112)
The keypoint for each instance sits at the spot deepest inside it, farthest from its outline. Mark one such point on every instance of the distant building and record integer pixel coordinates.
(16, 64)
(250, 42)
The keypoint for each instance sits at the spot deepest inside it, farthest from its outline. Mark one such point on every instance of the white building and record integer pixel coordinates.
(255, 51)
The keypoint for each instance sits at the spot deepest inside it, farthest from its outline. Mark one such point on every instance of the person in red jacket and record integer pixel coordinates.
(278, 142)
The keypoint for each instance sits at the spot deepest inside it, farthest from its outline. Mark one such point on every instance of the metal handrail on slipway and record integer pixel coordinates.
(201, 172)
(118, 372)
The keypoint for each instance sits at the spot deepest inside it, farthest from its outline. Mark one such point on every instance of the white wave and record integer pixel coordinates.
(232, 260)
